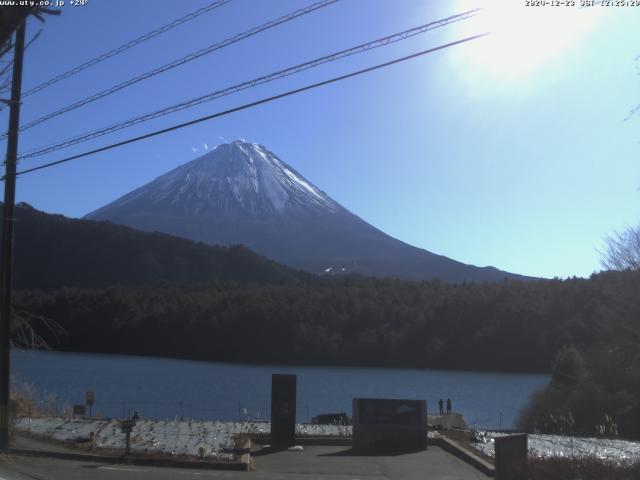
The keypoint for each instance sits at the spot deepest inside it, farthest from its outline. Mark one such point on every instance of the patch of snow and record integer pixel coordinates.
(301, 182)
(185, 186)
(260, 152)
(246, 172)
(562, 446)
(176, 437)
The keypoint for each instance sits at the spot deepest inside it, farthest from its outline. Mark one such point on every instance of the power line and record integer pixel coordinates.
(127, 46)
(253, 83)
(249, 105)
(6, 85)
(179, 62)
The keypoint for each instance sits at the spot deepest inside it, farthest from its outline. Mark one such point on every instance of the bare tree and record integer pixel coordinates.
(24, 333)
(635, 109)
(622, 250)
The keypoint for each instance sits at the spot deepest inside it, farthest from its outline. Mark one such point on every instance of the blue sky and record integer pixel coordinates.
(511, 151)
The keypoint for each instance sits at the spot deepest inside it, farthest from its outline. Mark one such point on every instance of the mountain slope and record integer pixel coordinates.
(53, 251)
(241, 193)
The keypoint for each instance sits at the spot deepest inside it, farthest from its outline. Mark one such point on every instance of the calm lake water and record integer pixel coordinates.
(164, 388)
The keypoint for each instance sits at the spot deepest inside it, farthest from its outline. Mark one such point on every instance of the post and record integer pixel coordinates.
(6, 248)
(89, 398)
(511, 456)
(127, 426)
(283, 409)
(127, 444)
(181, 410)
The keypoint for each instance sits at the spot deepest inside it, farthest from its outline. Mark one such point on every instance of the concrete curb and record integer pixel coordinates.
(446, 444)
(456, 449)
(133, 460)
(326, 441)
(263, 439)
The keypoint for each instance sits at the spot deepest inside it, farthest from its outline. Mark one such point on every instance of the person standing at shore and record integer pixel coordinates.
(441, 405)
(448, 406)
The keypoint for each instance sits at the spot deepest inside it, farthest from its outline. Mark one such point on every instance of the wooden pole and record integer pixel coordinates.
(6, 247)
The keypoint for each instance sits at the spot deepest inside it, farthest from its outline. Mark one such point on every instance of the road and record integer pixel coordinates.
(314, 463)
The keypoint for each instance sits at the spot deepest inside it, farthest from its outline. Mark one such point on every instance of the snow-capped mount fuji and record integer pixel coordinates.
(240, 178)
(241, 193)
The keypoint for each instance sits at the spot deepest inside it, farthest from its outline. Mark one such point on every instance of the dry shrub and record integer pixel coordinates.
(21, 400)
(26, 401)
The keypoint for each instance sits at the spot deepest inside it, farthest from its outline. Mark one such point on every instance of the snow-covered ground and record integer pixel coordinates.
(561, 446)
(169, 437)
(176, 437)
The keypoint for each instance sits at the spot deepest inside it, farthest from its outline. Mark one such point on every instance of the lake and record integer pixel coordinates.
(161, 388)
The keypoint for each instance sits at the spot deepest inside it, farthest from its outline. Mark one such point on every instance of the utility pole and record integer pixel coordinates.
(6, 248)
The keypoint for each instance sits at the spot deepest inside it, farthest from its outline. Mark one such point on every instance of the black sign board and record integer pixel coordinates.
(78, 410)
(381, 424)
(283, 409)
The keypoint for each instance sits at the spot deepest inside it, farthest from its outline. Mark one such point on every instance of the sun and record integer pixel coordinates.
(523, 38)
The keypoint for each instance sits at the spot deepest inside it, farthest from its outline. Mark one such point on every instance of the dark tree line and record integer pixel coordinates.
(596, 392)
(52, 251)
(507, 326)
(249, 309)
(595, 388)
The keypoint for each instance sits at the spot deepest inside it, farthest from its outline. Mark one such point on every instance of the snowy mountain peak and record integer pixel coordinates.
(241, 193)
(239, 177)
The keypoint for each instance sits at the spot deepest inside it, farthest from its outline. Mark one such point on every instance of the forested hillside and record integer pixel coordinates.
(509, 326)
(53, 251)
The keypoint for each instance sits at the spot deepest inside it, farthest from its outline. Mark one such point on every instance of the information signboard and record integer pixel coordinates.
(127, 425)
(389, 424)
(79, 410)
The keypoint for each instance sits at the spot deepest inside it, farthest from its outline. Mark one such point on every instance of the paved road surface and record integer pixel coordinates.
(314, 463)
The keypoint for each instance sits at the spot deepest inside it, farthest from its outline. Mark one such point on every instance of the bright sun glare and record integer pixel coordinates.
(523, 38)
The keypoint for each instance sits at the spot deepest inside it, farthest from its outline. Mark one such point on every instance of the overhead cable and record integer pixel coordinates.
(396, 37)
(179, 62)
(123, 48)
(248, 105)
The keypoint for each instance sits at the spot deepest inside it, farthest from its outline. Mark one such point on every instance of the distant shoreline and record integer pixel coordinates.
(292, 364)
